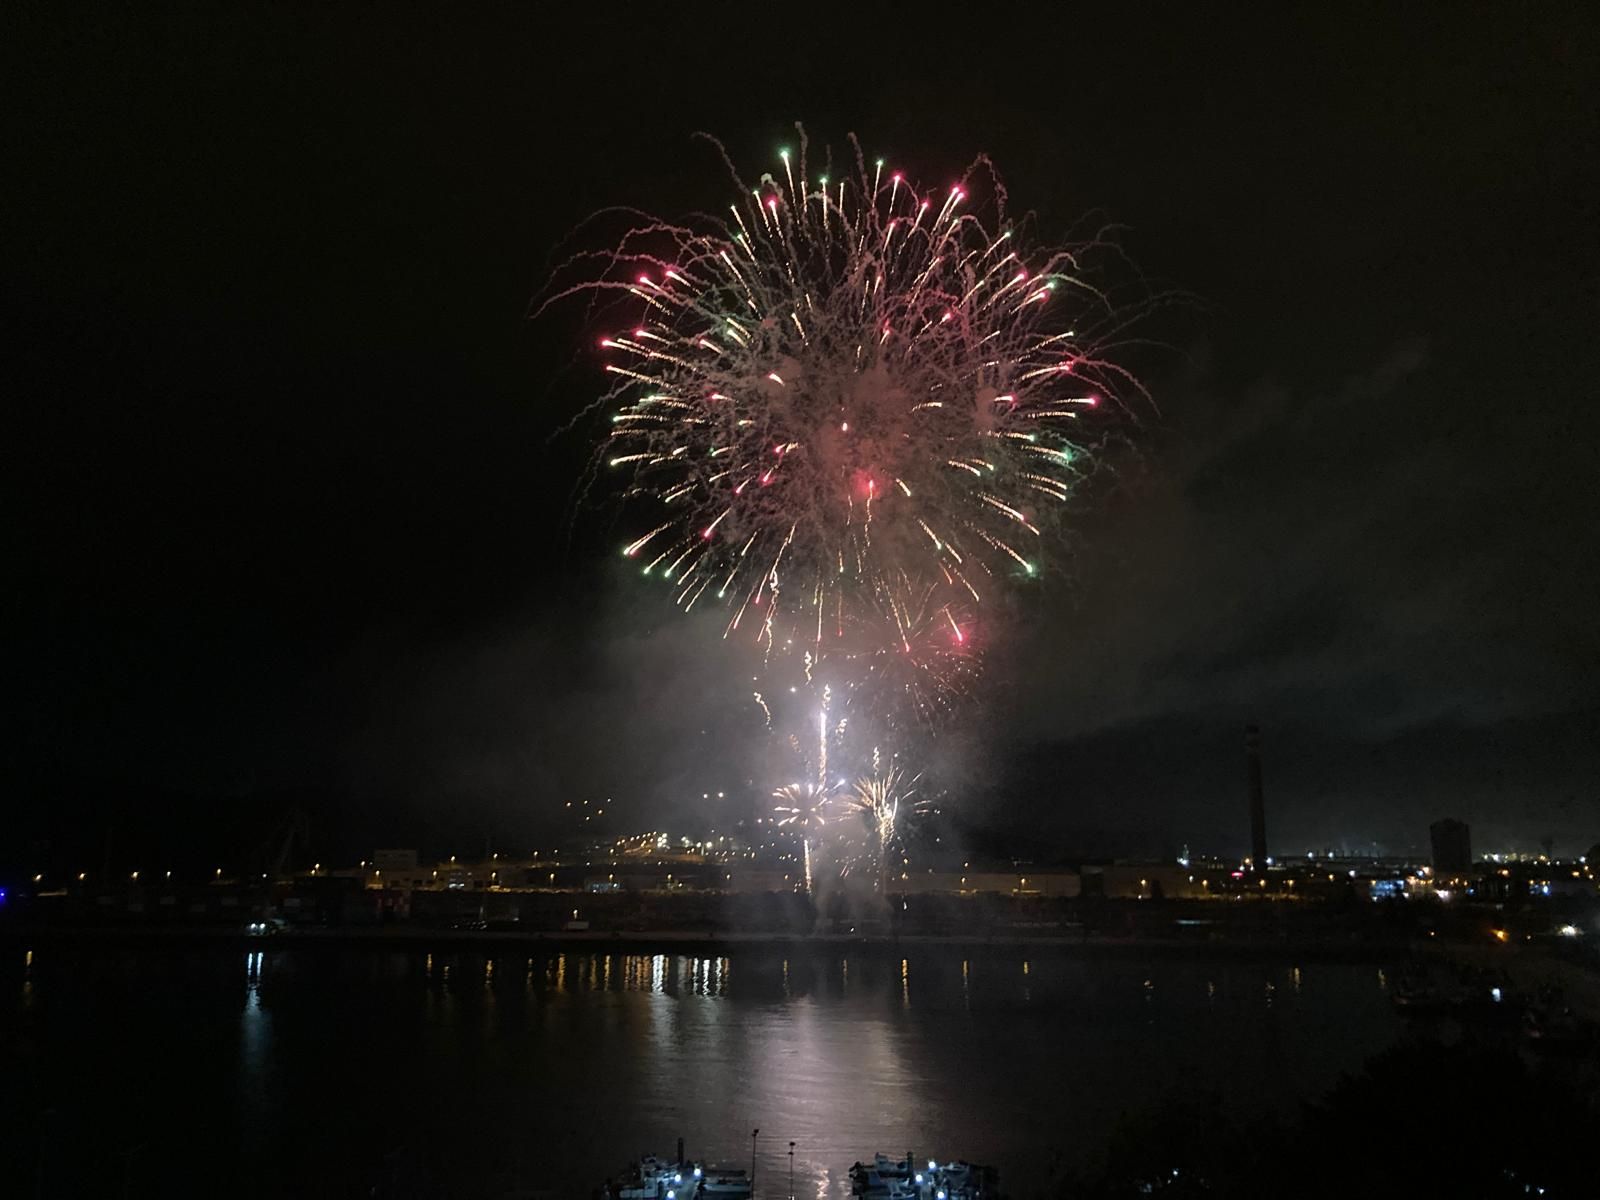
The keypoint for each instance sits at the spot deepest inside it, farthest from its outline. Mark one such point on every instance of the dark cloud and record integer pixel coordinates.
(1324, 566)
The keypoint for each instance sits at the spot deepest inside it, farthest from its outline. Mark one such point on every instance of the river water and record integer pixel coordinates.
(311, 1071)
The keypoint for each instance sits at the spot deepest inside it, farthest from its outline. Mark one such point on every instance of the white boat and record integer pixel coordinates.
(903, 1179)
(653, 1178)
(725, 1183)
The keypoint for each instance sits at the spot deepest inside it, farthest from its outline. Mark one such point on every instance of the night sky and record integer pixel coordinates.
(288, 522)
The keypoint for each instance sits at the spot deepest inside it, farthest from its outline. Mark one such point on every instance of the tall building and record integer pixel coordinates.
(1258, 803)
(1452, 846)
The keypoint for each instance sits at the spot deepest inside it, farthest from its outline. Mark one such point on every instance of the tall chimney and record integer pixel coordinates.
(1258, 805)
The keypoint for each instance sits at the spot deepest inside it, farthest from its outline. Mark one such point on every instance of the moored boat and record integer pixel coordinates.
(884, 1178)
(903, 1179)
(725, 1183)
(653, 1178)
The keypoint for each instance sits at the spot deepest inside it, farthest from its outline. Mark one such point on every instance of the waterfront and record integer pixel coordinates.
(322, 1070)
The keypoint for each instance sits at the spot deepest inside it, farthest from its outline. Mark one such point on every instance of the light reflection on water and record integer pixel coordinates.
(560, 1068)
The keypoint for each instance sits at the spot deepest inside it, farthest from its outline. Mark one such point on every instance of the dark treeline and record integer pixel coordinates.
(1422, 1118)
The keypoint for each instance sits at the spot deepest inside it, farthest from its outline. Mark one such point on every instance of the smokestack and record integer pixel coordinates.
(1258, 804)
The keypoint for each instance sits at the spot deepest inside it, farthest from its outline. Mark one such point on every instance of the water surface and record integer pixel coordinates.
(330, 1071)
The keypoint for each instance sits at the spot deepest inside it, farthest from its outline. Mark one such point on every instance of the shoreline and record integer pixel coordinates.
(699, 943)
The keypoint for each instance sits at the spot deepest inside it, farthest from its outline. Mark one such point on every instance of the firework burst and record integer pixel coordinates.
(884, 799)
(850, 413)
(803, 810)
(848, 390)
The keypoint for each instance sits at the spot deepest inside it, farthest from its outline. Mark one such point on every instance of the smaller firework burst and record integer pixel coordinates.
(803, 808)
(885, 800)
